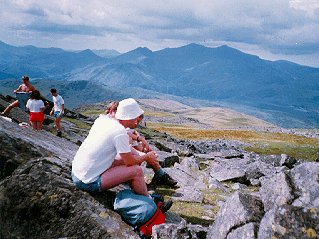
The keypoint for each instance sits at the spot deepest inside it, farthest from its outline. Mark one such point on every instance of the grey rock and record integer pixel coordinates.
(275, 190)
(248, 231)
(174, 218)
(305, 178)
(238, 186)
(167, 159)
(227, 154)
(18, 145)
(279, 160)
(287, 161)
(229, 169)
(258, 169)
(273, 160)
(40, 201)
(239, 209)
(188, 194)
(186, 176)
(190, 163)
(266, 225)
(215, 184)
(289, 222)
(254, 182)
(180, 231)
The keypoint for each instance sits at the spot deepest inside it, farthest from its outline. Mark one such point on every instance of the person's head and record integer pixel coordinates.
(25, 79)
(111, 108)
(140, 118)
(54, 92)
(128, 113)
(35, 95)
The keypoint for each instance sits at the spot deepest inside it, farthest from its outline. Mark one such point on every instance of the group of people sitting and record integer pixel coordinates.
(113, 152)
(36, 107)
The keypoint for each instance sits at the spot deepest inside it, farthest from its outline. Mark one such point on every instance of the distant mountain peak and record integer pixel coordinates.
(142, 50)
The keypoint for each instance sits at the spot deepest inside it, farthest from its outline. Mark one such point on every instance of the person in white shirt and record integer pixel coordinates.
(36, 107)
(104, 159)
(57, 110)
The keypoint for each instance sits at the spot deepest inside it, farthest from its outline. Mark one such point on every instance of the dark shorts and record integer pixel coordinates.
(95, 186)
(57, 114)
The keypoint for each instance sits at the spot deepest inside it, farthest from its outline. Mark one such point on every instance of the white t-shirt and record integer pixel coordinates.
(106, 139)
(58, 102)
(35, 105)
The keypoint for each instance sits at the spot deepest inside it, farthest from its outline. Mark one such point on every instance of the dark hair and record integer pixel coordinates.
(35, 95)
(53, 90)
(25, 78)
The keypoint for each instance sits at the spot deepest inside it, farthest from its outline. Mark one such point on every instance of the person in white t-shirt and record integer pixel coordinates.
(104, 159)
(57, 110)
(36, 107)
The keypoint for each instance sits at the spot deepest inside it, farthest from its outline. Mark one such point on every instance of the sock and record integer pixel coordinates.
(160, 172)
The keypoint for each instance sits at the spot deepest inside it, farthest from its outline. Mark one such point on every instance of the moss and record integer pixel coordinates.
(213, 196)
(191, 212)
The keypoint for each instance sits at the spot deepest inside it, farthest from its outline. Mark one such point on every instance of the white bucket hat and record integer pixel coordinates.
(128, 109)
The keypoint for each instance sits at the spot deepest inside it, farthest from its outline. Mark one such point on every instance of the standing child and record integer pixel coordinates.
(57, 110)
(36, 107)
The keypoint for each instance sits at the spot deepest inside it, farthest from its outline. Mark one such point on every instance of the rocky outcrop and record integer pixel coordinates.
(275, 191)
(238, 210)
(239, 194)
(40, 201)
(182, 230)
(305, 178)
(289, 222)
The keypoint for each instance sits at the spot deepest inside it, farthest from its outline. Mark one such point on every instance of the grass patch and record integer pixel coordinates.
(191, 212)
(163, 126)
(212, 196)
(80, 124)
(262, 142)
(158, 113)
(91, 112)
(309, 152)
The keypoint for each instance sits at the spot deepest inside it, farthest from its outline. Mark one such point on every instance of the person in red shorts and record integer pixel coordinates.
(36, 107)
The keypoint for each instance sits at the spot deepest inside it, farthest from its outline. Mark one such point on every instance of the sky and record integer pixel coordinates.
(271, 29)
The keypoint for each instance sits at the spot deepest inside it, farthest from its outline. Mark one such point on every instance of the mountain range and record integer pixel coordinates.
(281, 92)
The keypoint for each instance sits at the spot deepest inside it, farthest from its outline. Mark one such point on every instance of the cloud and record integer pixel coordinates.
(277, 26)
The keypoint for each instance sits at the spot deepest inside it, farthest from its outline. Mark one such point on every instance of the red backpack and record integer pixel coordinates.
(145, 230)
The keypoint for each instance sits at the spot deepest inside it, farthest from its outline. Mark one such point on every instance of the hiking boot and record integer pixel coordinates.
(164, 180)
(166, 205)
(59, 134)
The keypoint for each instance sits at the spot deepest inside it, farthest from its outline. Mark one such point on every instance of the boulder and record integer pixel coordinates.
(239, 186)
(290, 222)
(305, 178)
(40, 201)
(258, 169)
(18, 145)
(248, 231)
(182, 230)
(239, 209)
(229, 169)
(279, 160)
(275, 190)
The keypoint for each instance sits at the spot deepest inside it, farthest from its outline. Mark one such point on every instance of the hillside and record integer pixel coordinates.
(225, 190)
(280, 92)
